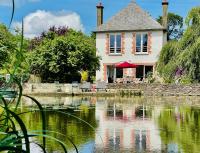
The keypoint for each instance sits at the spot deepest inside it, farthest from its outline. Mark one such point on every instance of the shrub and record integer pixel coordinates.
(185, 79)
(84, 76)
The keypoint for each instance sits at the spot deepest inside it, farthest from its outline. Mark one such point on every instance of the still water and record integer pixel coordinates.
(118, 125)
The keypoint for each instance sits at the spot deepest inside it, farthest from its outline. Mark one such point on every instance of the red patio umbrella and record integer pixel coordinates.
(125, 65)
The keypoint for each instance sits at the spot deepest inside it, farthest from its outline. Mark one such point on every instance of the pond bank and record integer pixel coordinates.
(113, 90)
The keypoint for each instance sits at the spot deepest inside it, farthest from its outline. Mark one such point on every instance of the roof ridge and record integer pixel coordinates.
(133, 1)
(132, 17)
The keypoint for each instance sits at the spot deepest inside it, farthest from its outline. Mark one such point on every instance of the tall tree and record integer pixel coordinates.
(61, 53)
(175, 26)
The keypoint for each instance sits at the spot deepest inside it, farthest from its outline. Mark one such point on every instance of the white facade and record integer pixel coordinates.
(150, 59)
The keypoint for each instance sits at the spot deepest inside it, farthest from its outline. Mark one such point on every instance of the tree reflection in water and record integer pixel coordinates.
(180, 128)
(64, 126)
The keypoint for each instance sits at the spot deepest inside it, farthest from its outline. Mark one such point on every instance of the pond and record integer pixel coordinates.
(116, 124)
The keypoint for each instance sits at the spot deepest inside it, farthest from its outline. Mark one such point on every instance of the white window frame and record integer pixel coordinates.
(141, 45)
(115, 44)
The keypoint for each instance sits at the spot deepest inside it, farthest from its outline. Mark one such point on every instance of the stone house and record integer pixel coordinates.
(131, 35)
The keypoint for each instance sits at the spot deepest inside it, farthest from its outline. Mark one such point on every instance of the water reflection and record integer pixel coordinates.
(126, 126)
(181, 129)
(139, 124)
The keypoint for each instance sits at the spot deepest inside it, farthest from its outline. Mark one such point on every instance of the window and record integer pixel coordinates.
(141, 43)
(140, 140)
(148, 71)
(119, 73)
(115, 44)
(142, 71)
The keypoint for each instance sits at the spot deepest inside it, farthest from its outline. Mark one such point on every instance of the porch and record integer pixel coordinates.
(113, 74)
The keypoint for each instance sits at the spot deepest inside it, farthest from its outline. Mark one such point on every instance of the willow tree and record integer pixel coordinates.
(183, 54)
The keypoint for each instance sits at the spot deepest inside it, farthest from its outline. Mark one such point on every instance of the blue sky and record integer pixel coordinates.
(79, 14)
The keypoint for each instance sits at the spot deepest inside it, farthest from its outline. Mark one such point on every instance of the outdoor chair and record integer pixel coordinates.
(119, 80)
(75, 84)
(140, 80)
(101, 86)
(85, 87)
(145, 80)
(136, 80)
(126, 79)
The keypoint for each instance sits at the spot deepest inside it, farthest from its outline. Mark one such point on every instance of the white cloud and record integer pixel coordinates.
(39, 21)
(5, 2)
(34, 0)
(17, 2)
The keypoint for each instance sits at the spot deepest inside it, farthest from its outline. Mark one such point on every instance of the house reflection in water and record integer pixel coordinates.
(126, 127)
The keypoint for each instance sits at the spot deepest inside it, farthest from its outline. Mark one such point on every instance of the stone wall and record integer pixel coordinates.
(49, 88)
(115, 89)
(161, 89)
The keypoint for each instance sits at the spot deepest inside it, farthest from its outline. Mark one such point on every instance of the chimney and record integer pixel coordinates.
(165, 13)
(100, 14)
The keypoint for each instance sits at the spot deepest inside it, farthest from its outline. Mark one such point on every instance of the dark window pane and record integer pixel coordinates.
(118, 40)
(138, 49)
(145, 40)
(112, 50)
(112, 40)
(118, 37)
(119, 73)
(139, 72)
(138, 43)
(148, 70)
(118, 50)
(140, 141)
(112, 43)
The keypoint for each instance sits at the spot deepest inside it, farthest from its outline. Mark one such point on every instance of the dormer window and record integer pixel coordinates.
(141, 43)
(115, 43)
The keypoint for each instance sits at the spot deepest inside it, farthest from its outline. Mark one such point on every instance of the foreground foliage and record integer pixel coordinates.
(181, 59)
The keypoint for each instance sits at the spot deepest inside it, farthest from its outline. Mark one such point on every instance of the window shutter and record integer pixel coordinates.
(123, 43)
(134, 43)
(107, 44)
(149, 43)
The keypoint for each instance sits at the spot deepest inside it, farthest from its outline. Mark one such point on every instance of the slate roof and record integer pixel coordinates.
(131, 18)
